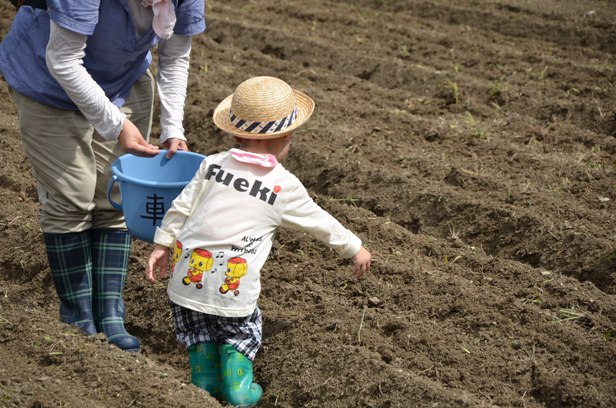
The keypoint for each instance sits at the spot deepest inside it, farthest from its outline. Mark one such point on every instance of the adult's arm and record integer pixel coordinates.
(64, 59)
(172, 81)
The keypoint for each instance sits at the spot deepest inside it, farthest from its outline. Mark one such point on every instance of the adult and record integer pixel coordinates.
(78, 72)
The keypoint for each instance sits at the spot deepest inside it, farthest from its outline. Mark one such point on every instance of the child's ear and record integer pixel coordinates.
(240, 142)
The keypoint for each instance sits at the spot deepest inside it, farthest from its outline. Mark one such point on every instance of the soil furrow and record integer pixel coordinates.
(470, 145)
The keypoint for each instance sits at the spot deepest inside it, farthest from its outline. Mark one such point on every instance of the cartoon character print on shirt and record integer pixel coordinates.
(177, 254)
(236, 269)
(200, 261)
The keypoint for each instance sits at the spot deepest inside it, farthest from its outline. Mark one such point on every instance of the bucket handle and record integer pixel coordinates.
(112, 181)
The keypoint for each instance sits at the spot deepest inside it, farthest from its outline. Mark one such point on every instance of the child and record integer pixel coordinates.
(221, 229)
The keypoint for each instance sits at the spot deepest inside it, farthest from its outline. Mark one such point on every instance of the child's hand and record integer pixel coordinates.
(361, 262)
(159, 259)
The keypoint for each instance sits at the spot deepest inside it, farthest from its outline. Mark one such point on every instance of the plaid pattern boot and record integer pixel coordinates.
(237, 386)
(205, 370)
(70, 262)
(110, 252)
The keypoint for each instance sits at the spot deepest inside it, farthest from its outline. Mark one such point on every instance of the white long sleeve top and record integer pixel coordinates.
(65, 52)
(223, 224)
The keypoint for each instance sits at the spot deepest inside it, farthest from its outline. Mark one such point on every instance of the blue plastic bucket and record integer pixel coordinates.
(148, 186)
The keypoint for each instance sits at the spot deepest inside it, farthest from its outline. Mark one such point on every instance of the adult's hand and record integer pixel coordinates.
(173, 145)
(133, 142)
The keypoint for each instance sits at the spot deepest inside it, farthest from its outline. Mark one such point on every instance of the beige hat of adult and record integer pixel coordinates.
(263, 107)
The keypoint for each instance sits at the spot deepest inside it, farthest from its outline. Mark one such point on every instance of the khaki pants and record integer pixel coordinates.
(71, 162)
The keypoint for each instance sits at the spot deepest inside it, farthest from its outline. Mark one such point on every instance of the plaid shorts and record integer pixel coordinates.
(243, 333)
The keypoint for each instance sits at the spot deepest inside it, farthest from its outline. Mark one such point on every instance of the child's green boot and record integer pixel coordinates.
(237, 386)
(205, 371)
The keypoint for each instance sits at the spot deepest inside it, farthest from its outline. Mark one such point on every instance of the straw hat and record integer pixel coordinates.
(263, 108)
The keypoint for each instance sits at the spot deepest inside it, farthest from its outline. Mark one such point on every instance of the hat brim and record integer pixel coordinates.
(305, 107)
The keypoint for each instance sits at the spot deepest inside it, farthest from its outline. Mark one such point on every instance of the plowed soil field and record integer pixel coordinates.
(471, 145)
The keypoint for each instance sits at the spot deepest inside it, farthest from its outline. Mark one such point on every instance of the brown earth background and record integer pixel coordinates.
(470, 144)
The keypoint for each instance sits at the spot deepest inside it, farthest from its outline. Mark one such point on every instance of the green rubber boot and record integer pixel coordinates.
(205, 371)
(237, 386)
(70, 262)
(110, 252)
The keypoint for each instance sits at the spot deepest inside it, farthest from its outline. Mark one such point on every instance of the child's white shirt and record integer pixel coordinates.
(223, 224)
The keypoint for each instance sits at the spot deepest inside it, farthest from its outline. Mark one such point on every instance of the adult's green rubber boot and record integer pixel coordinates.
(70, 262)
(205, 371)
(110, 252)
(237, 386)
